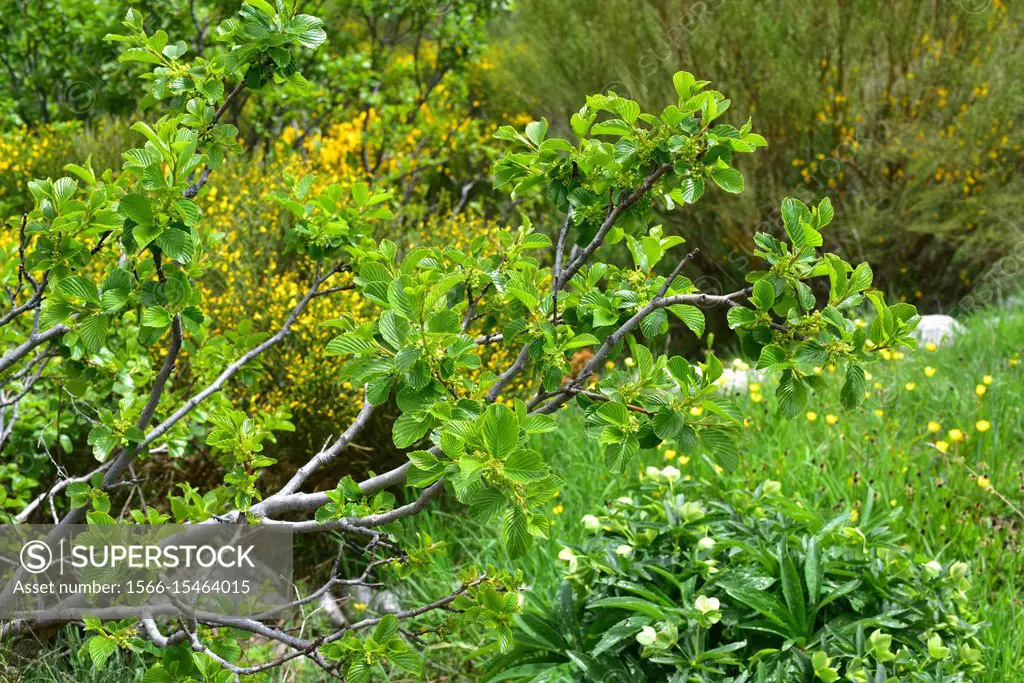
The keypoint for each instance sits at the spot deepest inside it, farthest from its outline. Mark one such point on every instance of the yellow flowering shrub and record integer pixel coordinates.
(252, 262)
(27, 153)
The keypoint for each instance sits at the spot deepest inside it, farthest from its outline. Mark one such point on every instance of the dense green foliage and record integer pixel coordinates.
(154, 325)
(683, 582)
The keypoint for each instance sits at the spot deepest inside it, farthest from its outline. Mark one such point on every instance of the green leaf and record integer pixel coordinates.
(144, 234)
(138, 54)
(638, 605)
(691, 316)
(386, 628)
(486, 505)
(791, 394)
(860, 280)
(78, 287)
(394, 329)
(378, 390)
(852, 394)
(348, 344)
(177, 244)
(536, 131)
(739, 316)
(400, 301)
(63, 189)
(358, 671)
(764, 294)
(667, 423)
(113, 300)
(614, 413)
(773, 358)
(93, 332)
(308, 31)
(136, 207)
(693, 189)
(729, 179)
(792, 589)
(825, 213)
(723, 447)
(406, 659)
(156, 316)
(100, 650)
(525, 465)
(813, 570)
(539, 424)
(444, 322)
(264, 7)
(683, 81)
(767, 604)
(500, 430)
(516, 532)
(407, 430)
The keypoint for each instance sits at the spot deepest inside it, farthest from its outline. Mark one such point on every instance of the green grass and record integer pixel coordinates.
(887, 457)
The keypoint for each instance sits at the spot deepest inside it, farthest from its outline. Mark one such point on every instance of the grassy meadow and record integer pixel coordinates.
(939, 438)
(959, 491)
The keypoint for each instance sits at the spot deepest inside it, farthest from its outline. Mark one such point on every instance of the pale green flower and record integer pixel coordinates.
(647, 636)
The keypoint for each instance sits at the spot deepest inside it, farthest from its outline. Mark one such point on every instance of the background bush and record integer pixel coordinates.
(902, 112)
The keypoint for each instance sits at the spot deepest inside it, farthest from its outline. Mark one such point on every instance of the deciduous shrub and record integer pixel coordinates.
(108, 287)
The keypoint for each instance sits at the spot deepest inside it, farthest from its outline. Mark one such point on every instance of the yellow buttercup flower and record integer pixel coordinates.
(982, 425)
(984, 483)
(811, 416)
(934, 427)
(980, 390)
(670, 454)
(955, 435)
(942, 446)
(929, 371)
(931, 347)
(987, 379)
(910, 386)
(558, 509)
(879, 412)
(696, 411)
(831, 419)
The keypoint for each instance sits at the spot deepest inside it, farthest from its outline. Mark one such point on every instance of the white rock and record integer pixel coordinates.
(331, 608)
(1013, 302)
(736, 381)
(940, 330)
(360, 601)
